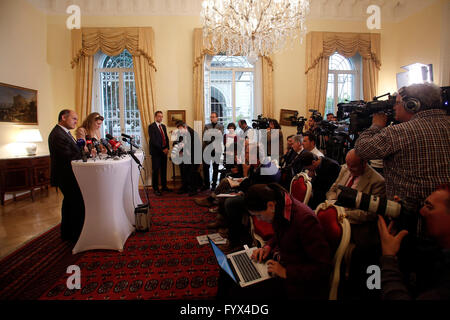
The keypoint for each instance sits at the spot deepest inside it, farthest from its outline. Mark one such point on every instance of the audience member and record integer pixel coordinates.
(189, 169)
(206, 164)
(299, 255)
(309, 143)
(432, 279)
(273, 124)
(323, 171)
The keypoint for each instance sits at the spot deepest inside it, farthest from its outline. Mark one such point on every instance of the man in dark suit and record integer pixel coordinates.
(63, 149)
(188, 144)
(206, 164)
(159, 148)
(324, 171)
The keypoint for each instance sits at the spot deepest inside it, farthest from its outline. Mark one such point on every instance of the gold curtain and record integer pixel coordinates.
(321, 45)
(86, 42)
(200, 50)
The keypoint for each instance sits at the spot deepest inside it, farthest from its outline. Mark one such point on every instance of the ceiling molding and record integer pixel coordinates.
(391, 10)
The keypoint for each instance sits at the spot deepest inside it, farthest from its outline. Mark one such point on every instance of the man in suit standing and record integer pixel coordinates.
(63, 149)
(188, 145)
(159, 148)
(211, 126)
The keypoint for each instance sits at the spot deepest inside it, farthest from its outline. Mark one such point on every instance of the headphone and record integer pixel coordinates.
(411, 105)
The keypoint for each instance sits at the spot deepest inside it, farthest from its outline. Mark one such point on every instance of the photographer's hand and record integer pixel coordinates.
(379, 120)
(390, 243)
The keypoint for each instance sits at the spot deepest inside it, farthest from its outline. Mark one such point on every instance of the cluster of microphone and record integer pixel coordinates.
(113, 147)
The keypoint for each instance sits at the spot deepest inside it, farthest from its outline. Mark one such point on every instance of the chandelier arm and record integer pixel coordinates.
(262, 13)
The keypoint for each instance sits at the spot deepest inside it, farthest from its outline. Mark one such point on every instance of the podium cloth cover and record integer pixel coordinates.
(110, 192)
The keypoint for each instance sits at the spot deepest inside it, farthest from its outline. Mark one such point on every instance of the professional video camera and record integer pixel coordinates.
(351, 198)
(316, 115)
(360, 112)
(260, 123)
(298, 121)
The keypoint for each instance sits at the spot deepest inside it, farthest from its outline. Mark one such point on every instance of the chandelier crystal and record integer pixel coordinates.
(252, 27)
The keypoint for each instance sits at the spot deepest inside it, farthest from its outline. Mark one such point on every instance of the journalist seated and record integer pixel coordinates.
(357, 174)
(231, 211)
(323, 171)
(298, 256)
(292, 163)
(432, 271)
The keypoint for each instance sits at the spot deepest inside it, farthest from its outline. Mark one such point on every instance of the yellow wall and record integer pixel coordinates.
(23, 63)
(39, 51)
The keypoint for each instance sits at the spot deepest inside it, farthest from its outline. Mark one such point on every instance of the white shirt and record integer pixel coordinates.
(317, 152)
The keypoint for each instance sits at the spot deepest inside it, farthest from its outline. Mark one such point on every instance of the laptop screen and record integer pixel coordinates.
(222, 260)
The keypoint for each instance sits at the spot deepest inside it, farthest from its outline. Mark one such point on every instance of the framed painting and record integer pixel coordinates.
(286, 116)
(18, 105)
(175, 115)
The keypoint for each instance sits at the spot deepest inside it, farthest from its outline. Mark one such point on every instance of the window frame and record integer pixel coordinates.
(97, 97)
(356, 62)
(257, 87)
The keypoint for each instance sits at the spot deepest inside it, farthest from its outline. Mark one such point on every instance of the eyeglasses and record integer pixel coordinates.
(99, 118)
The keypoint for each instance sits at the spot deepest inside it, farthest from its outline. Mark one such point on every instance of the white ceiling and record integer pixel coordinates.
(392, 10)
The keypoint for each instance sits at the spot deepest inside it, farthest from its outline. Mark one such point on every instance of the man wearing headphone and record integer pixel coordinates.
(416, 152)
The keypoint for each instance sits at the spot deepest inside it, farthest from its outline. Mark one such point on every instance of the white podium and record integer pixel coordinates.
(110, 190)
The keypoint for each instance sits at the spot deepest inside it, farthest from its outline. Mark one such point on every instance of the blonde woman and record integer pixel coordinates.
(91, 127)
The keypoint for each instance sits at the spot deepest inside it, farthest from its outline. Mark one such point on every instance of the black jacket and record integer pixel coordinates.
(189, 151)
(156, 142)
(63, 149)
(326, 174)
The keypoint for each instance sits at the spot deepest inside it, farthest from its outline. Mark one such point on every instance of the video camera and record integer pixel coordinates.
(260, 123)
(316, 115)
(360, 112)
(297, 121)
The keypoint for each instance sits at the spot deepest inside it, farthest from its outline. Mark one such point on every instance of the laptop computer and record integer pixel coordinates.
(240, 267)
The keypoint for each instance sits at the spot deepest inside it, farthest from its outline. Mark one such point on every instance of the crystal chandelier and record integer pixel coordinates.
(252, 27)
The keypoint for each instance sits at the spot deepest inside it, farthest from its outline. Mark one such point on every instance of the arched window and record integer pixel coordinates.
(116, 95)
(230, 89)
(344, 81)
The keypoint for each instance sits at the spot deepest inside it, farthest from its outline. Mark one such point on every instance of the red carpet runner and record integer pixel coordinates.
(164, 263)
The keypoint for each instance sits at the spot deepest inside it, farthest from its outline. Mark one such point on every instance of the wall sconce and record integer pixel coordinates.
(29, 136)
(417, 73)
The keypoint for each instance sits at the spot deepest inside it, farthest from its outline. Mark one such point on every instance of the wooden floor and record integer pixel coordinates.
(24, 219)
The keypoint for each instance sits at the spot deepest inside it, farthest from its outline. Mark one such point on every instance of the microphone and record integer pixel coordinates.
(81, 143)
(131, 142)
(105, 143)
(131, 153)
(127, 136)
(96, 145)
(89, 143)
(115, 145)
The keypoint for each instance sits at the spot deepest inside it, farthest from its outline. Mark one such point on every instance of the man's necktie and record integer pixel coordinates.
(162, 135)
(350, 182)
(70, 134)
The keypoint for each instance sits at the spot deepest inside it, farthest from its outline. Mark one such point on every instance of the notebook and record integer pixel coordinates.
(240, 267)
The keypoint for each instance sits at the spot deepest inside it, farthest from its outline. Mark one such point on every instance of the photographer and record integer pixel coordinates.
(433, 275)
(416, 152)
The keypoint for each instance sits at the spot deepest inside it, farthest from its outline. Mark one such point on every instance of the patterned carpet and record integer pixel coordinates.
(165, 263)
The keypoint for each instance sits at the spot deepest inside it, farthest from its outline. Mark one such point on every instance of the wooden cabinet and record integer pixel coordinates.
(23, 173)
